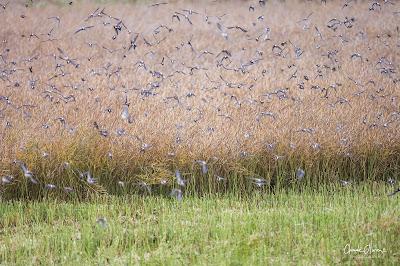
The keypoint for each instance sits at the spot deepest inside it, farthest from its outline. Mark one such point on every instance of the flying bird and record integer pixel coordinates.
(28, 174)
(84, 28)
(394, 192)
(179, 180)
(177, 194)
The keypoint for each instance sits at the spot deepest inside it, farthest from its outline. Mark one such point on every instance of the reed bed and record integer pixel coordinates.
(250, 91)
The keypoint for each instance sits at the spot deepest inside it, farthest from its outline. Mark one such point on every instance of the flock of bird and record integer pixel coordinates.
(227, 78)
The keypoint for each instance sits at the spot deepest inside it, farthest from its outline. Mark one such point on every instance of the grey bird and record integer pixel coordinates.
(89, 179)
(144, 147)
(300, 173)
(50, 186)
(8, 179)
(219, 178)
(391, 181)
(28, 174)
(144, 186)
(259, 182)
(125, 114)
(102, 222)
(222, 29)
(179, 180)
(68, 189)
(204, 167)
(345, 183)
(177, 193)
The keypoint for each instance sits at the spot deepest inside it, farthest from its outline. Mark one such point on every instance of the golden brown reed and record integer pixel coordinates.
(339, 113)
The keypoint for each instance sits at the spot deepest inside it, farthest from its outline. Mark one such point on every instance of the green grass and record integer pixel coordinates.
(288, 227)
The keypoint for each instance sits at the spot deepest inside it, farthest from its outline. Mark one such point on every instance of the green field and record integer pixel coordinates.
(289, 227)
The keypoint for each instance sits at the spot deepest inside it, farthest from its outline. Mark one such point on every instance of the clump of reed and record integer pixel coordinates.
(115, 172)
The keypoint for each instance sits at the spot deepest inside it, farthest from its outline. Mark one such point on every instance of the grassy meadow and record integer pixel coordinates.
(286, 228)
(199, 132)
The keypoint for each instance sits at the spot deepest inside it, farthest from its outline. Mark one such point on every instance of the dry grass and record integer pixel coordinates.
(344, 124)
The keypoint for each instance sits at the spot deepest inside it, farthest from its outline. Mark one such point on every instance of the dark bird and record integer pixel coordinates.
(84, 28)
(4, 5)
(158, 4)
(394, 192)
(133, 43)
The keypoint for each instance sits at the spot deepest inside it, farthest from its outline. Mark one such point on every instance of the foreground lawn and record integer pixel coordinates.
(285, 228)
